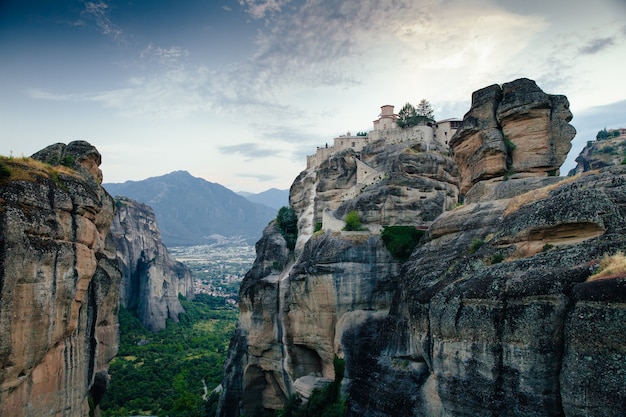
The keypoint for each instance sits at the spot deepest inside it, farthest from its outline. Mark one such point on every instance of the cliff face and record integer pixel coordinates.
(151, 278)
(495, 313)
(515, 130)
(297, 308)
(602, 153)
(58, 283)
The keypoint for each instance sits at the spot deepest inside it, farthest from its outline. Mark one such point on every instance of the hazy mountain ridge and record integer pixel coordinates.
(273, 197)
(190, 210)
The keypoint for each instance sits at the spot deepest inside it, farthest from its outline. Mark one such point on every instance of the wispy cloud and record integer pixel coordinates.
(249, 150)
(165, 56)
(260, 8)
(596, 45)
(99, 12)
(260, 177)
(171, 94)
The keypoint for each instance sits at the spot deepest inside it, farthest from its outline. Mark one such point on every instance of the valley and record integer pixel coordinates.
(170, 372)
(217, 269)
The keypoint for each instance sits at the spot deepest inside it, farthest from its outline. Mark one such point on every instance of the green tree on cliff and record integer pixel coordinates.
(287, 222)
(406, 114)
(410, 115)
(425, 109)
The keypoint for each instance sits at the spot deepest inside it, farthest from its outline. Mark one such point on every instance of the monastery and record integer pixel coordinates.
(432, 136)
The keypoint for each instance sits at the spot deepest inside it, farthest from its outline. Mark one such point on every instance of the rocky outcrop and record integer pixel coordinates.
(514, 130)
(151, 278)
(59, 283)
(297, 306)
(602, 153)
(496, 311)
(493, 308)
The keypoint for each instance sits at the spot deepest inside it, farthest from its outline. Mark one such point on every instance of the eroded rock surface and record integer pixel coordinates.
(151, 278)
(495, 312)
(512, 130)
(59, 283)
(512, 323)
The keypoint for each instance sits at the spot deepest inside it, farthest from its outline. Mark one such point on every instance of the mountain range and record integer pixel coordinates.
(272, 198)
(193, 211)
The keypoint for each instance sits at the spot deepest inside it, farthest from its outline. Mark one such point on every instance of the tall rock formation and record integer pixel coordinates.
(514, 130)
(497, 311)
(151, 278)
(297, 307)
(59, 283)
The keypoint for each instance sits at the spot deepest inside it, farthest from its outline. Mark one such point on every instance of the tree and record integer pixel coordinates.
(406, 115)
(603, 134)
(287, 221)
(425, 109)
(410, 115)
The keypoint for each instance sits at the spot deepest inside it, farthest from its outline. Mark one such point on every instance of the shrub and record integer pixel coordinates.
(476, 244)
(353, 221)
(5, 172)
(608, 149)
(497, 258)
(546, 247)
(603, 134)
(400, 241)
(318, 227)
(287, 222)
(67, 161)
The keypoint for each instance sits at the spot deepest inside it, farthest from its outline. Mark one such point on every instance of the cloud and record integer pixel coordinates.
(260, 8)
(165, 56)
(170, 94)
(596, 45)
(227, 8)
(260, 177)
(249, 150)
(99, 12)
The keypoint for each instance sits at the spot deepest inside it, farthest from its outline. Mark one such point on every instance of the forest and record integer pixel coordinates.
(172, 372)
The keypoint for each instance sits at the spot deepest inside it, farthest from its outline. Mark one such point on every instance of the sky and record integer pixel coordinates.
(238, 92)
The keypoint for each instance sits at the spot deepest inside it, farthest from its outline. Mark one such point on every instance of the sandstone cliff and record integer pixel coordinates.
(151, 278)
(58, 283)
(495, 313)
(296, 307)
(514, 130)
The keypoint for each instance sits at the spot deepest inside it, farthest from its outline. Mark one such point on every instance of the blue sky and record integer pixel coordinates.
(239, 91)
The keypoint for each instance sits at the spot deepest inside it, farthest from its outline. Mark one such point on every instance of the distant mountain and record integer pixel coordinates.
(272, 198)
(191, 211)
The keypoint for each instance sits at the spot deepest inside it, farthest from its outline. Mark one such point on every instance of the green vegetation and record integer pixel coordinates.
(496, 258)
(546, 247)
(508, 143)
(5, 172)
(607, 134)
(609, 149)
(353, 222)
(400, 241)
(318, 227)
(287, 221)
(410, 115)
(162, 374)
(476, 244)
(67, 161)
